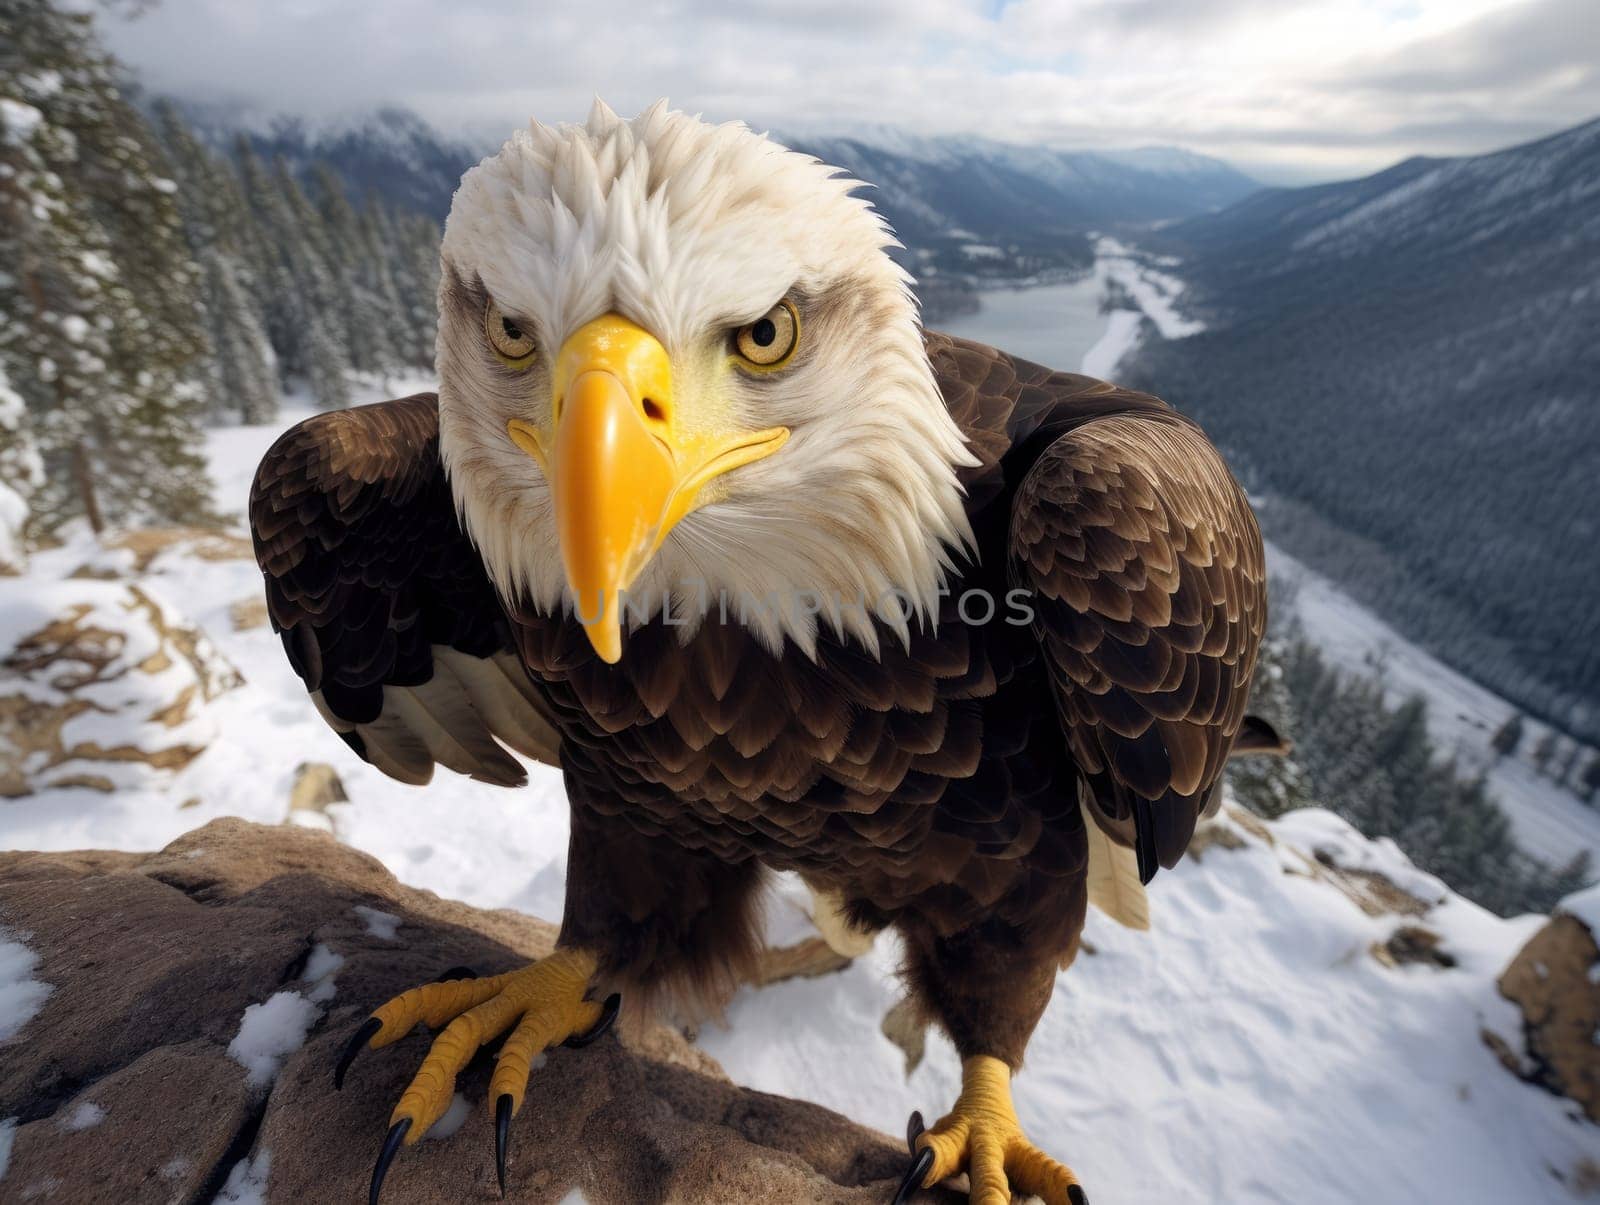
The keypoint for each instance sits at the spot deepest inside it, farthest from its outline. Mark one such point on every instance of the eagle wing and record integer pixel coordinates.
(1148, 580)
(383, 605)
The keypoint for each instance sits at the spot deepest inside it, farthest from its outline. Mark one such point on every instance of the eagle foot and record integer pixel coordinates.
(541, 1004)
(982, 1137)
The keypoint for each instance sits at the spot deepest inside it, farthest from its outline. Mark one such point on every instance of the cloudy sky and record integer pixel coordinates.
(1290, 90)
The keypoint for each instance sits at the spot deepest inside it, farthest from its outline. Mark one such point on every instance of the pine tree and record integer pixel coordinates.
(1267, 785)
(1508, 737)
(1375, 764)
(1567, 773)
(244, 374)
(1589, 784)
(417, 279)
(21, 475)
(98, 330)
(328, 371)
(272, 239)
(308, 246)
(242, 378)
(1543, 750)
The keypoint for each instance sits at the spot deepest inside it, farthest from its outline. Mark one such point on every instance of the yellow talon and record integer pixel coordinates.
(982, 1137)
(545, 1001)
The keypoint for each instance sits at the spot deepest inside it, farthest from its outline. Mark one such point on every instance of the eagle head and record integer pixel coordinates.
(679, 373)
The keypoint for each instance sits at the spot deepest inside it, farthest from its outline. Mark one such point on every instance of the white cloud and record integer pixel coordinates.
(1326, 86)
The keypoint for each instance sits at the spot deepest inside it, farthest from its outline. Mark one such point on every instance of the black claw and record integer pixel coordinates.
(1076, 1195)
(502, 1134)
(914, 1128)
(914, 1174)
(608, 1014)
(357, 1043)
(391, 1144)
(457, 973)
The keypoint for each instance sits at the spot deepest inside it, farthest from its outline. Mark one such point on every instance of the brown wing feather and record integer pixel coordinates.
(384, 607)
(1149, 590)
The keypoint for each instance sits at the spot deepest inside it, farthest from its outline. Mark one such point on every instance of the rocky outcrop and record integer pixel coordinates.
(196, 999)
(105, 683)
(1555, 981)
(130, 553)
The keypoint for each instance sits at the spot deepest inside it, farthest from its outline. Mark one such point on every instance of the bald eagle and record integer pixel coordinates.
(779, 580)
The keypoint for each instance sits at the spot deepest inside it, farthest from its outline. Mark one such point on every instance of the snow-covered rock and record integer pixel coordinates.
(101, 685)
(1555, 982)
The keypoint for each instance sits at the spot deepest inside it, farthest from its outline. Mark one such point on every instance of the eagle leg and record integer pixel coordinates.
(541, 1004)
(982, 1137)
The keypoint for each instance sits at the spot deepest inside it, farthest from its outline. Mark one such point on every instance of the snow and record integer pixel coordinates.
(18, 121)
(1248, 1049)
(321, 967)
(247, 1181)
(1155, 292)
(382, 925)
(452, 1120)
(21, 995)
(1585, 906)
(86, 1116)
(1550, 822)
(271, 1031)
(40, 84)
(8, 1135)
(1120, 337)
(97, 264)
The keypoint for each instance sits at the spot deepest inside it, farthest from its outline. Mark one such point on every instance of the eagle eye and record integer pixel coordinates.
(510, 342)
(770, 340)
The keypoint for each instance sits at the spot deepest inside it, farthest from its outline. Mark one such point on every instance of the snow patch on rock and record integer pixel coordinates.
(247, 1182)
(85, 1117)
(385, 926)
(21, 995)
(270, 1032)
(321, 967)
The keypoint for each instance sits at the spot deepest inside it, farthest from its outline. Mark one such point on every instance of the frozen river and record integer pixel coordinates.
(1055, 325)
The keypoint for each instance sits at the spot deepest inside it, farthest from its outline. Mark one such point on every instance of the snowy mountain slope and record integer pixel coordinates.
(999, 190)
(1550, 822)
(1250, 1049)
(1536, 197)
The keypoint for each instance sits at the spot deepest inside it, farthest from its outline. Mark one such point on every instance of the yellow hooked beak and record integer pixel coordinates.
(623, 465)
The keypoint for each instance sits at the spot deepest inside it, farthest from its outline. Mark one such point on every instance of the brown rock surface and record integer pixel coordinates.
(124, 1090)
(1555, 981)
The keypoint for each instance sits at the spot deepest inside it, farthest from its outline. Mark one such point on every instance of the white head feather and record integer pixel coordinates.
(690, 230)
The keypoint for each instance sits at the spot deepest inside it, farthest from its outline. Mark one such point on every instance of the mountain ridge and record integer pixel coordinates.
(375, 149)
